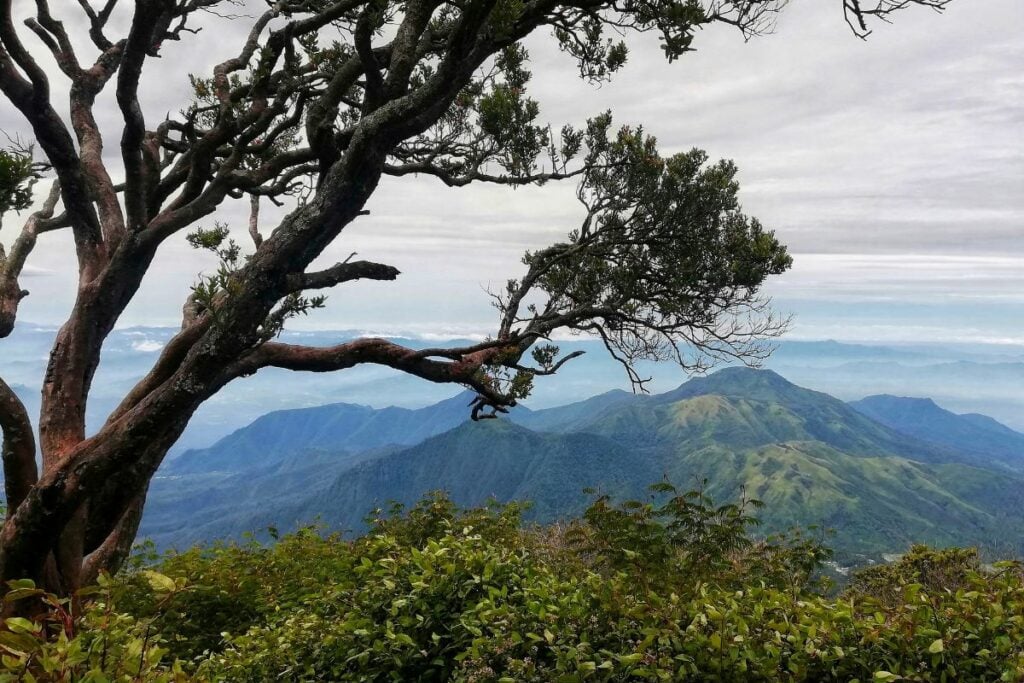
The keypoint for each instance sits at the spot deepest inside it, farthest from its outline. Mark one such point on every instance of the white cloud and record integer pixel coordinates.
(904, 278)
(147, 345)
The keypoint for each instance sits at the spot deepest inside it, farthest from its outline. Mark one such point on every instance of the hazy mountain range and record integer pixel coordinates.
(970, 433)
(883, 472)
(976, 378)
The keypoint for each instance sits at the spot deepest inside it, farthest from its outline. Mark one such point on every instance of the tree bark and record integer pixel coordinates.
(19, 448)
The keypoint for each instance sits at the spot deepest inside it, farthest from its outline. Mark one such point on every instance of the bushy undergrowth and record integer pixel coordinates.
(675, 589)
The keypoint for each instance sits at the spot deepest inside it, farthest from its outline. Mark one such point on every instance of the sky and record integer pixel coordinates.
(891, 167)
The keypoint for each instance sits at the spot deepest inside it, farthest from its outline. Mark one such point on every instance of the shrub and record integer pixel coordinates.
(673, 589)
(684, 541)
(232, 588)
(97, 643)
(936, 571)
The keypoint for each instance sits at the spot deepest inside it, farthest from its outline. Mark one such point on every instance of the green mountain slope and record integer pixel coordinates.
(813, 415)
(477, 461)
(572, 417)
(874, 504)
(473, 462)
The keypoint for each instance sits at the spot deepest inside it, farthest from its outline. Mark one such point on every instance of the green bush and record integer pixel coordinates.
(682, 540)
(232, 588)
(94, 644)
(673, 589)
(936, 571)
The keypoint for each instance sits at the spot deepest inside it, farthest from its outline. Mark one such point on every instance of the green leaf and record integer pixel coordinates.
(160, 583)
(22, 593)
(936, 647)
(20, 625)
(18, 643)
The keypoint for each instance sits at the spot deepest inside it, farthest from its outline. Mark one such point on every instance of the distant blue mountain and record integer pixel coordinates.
(834, 351)
(971, 433)
(338, 427)
(990, 424)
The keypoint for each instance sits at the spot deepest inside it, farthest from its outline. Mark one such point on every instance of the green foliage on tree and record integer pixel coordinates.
(16, 177)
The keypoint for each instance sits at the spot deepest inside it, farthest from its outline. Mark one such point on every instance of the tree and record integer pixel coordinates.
(323, 99)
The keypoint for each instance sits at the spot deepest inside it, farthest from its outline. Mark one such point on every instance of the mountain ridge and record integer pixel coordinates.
(924, 419)
(811, 457)
(275, 435)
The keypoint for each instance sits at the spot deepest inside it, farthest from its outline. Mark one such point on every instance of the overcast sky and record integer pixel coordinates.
(891, 167)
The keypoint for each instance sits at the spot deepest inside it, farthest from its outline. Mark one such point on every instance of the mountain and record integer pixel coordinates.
(990, 424)
(340, 428)
(877, 502)
(921, 418)
(991, 387)
(474, 462)
(571, 417)
(813, 459)
(494, 458)
(749, 407)
(810, 457)
(182, 509)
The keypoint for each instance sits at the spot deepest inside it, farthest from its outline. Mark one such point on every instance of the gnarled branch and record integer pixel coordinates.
(19, 447)
(342, 272)
(455, 179)
(12, 264)
(465, 370)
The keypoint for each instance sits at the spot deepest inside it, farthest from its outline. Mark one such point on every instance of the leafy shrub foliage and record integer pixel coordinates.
(935, 571)
(682, 540)
(674, 588)
(94, 644)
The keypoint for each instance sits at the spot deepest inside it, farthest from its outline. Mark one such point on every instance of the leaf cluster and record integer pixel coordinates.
(17, 175)
(665, 266)
(97, 642)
